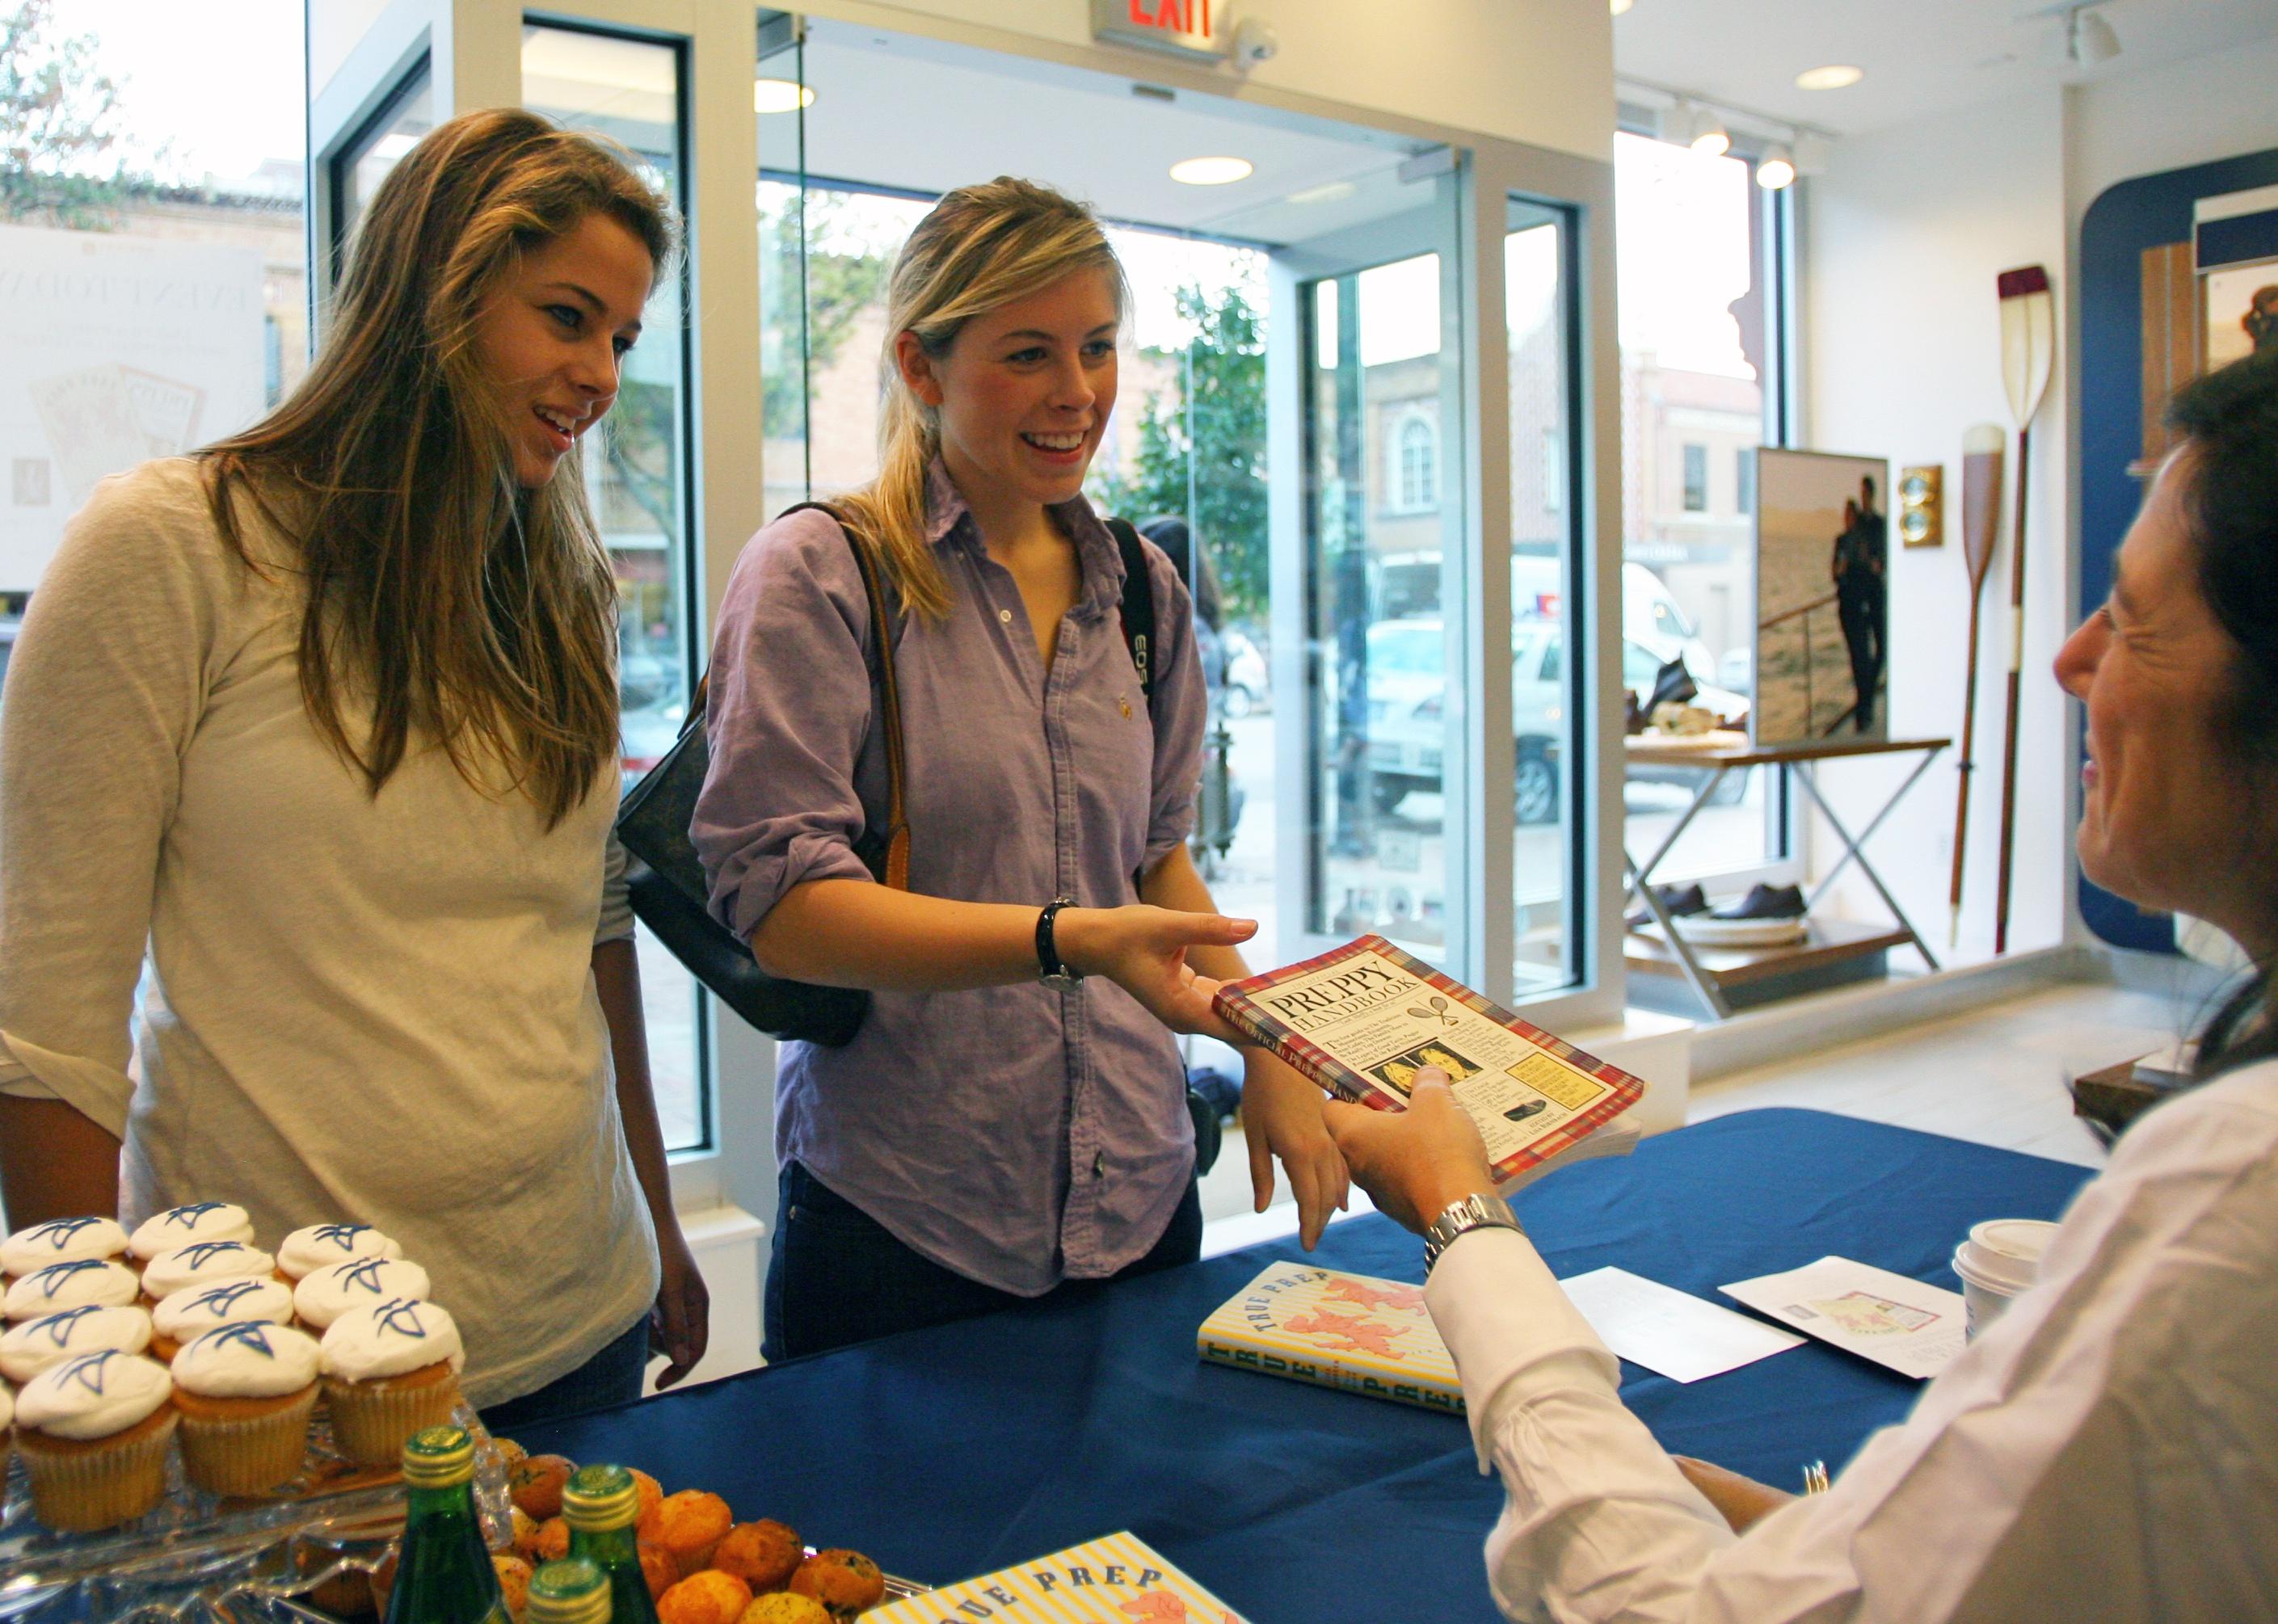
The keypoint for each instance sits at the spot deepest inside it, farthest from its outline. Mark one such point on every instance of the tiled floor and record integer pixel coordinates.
(1995, 1075)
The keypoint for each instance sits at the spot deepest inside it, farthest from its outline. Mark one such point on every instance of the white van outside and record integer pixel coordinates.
(1408, 584)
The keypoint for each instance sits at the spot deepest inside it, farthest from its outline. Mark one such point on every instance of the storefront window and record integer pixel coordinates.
(636, 471)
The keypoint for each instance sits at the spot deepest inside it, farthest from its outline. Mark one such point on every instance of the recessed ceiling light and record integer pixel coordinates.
(1333, 192)
(780, 95)
(1211, 172)
(1834, 76)
(1619, 6)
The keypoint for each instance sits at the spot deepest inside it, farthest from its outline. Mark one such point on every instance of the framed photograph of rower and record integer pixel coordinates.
(1823, 599)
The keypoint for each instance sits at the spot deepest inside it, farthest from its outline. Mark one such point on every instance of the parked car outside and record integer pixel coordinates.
(1407, 694)
(1248, 688)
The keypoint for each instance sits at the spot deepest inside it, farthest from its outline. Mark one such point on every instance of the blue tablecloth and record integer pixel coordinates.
(949, 1452)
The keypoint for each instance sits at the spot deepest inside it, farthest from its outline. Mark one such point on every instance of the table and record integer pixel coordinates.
(1711, 973)
(949, 1452)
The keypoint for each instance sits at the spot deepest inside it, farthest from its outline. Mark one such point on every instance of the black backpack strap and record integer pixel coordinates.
(1138, 606)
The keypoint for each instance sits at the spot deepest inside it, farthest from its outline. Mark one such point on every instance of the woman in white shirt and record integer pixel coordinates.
(322, 720)
(2109, 1449)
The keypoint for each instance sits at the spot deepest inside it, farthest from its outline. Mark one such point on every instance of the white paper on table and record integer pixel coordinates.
(1902, 1324)
(1671, 1331)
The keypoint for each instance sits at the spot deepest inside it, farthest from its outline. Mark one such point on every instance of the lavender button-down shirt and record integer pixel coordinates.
(1018, 1135)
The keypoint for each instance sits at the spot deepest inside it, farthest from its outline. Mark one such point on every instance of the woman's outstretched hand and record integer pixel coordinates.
(1413, 1163)
(1143, 950)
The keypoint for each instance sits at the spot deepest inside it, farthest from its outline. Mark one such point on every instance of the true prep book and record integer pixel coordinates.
(1117, 1580)
(1363, 1019)
(1352, 1333)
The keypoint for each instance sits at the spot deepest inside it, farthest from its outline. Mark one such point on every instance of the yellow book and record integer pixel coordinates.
(1117, 1580)
(1348, 1331)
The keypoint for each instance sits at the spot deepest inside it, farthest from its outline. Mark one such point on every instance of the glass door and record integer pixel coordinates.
(1381, 609)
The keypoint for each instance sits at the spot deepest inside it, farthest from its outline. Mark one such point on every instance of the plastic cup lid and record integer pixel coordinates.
(2003, 1255)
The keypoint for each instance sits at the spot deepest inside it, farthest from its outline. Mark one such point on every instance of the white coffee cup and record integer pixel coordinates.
(2000, 1260)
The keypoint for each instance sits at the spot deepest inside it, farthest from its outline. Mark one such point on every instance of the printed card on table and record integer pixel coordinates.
(1897, 1323)
(1117, 1580)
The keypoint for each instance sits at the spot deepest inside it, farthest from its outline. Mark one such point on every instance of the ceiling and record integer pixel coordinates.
(897, 111)
(1922, 57)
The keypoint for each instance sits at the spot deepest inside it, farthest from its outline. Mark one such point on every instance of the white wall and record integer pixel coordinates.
(1536, 71)
(1903, 239)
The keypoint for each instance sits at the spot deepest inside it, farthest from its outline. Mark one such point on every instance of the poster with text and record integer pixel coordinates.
(119, 348)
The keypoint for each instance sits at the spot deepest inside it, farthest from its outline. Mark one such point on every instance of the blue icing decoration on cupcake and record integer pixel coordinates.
(89, 1371)
(220, 1299)
(188, 1214)
(60, 1233)
(198, 1254)
(55, 1276)
(400, 1316)
(341, 1235)
(58, 1328)
(363, 1276)
(252, 1333)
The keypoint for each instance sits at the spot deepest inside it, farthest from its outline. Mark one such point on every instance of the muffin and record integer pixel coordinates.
(323, 1296)
(708, 1597)
(31, 1346)
(320, 1246)
(61, 1240)
(536, 1482)
(203, 1262)
(92, 1433)
(389, 1370)
(514, 1577)
(245, 1391)
(71, 1285)
(763, 1554)
(783, 1607)
(845, 1581)
(178, 1226)
(197, 1309)
(659, 1571)
(689, 1526)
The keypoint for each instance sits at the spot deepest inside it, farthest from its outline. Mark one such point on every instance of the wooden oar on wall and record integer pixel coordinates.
(1981, 450)
(2029, 333)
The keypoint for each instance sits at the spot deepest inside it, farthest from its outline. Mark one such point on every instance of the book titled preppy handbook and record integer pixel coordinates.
(1349, 1331)
(1117, 1580)
(1363, 1021)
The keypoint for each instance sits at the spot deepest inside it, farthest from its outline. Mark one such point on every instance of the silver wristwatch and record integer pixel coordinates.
(1473, 1212)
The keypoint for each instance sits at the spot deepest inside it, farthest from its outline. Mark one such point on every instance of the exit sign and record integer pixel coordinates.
(1192, 28)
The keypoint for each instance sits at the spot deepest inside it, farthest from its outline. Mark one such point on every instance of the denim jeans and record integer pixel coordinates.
(611, 1377)
(837, 1277)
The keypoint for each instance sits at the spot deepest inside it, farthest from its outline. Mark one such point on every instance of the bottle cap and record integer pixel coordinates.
(567, 1592)
(597, 1499)
(439, 1458)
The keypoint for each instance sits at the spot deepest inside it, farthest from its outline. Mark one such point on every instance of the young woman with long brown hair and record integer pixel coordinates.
(993, 1130)
(322, 720)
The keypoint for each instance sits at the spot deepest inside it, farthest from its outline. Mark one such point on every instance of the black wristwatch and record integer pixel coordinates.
(1050, 969)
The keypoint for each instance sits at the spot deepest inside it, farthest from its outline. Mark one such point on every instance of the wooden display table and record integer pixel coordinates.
(1724, 978)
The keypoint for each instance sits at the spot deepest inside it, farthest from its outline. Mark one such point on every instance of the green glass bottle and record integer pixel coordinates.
(600, 1504)
(444, 1574)
(567, 1592)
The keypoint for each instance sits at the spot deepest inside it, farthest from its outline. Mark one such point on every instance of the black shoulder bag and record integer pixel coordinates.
(666, 881)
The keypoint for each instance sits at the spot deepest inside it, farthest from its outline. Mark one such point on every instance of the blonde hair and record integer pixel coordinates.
(463, 607)
(979, 249)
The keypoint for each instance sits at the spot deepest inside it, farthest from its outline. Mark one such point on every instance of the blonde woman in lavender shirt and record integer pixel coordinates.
(988, 1135)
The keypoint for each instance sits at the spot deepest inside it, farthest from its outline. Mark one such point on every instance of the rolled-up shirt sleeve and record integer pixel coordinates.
(1179, 707)
(785, 720)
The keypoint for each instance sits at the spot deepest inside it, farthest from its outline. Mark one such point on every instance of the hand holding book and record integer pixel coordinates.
(1414, 1164)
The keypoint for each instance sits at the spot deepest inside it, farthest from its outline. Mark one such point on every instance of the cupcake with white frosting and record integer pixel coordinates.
(178, 1226)
(7, 1423)
(34, 1345)
(61, 1240)
(245, 1391)
(93, 1432)
(197, 1309)
(204, 1262)
(320, 1246)
(338, 1287)
(389, 1370)
(71, 1285)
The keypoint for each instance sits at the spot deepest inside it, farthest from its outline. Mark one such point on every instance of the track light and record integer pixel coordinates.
(2089, 38)
(1710, 138)
(1776, 169)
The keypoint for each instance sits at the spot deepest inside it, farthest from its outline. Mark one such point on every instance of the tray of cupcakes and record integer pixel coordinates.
(192, 1415)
